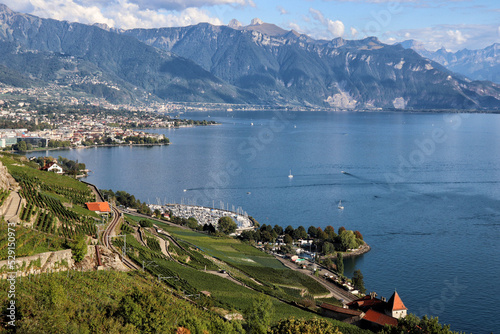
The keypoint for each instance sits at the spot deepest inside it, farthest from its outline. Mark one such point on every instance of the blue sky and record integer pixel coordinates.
(454, 24)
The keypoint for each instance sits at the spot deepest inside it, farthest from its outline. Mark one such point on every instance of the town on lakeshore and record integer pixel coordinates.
(81, 126)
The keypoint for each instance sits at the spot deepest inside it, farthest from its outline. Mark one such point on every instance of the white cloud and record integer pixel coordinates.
(336, 28)
(294, 26)
(457, 36)
(118, 13)
(354, 32)
(183, 4)
(329, 29)
(317, 15)
(282, 10)
(451, 37)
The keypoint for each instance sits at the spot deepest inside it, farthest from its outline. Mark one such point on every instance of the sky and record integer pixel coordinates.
(452, 24)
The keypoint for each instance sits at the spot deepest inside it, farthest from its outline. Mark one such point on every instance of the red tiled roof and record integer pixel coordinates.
(98, 206)
(366, 301)
(340, 309)
(379, 318)
(395, 303)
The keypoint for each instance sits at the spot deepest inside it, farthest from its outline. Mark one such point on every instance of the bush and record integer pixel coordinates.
(145, 223)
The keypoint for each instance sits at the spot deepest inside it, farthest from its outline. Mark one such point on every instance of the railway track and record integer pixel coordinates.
(109, 232)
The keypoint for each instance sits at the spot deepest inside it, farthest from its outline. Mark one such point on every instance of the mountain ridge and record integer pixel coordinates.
(341, 74)
(479, 64)
(257, 64)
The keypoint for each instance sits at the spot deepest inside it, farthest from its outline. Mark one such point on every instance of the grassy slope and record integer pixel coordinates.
(94, 302)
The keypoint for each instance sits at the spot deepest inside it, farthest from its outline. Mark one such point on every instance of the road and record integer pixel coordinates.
(335, 291)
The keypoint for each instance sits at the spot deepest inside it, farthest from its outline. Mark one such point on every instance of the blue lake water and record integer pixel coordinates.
(423, 189)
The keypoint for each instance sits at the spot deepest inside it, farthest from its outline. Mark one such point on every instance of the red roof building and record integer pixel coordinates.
(99, 207)
(396, 307)
(379, 319)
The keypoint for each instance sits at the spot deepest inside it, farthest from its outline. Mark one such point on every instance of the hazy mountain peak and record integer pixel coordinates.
(256, 21)
(235, 24)
(412, 44)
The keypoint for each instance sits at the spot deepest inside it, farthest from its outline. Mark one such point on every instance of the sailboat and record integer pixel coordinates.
(340, 205)
(290, 175)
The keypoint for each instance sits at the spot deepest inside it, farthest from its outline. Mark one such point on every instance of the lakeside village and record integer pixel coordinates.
(317, 251)
(312, 249)
(24, 127)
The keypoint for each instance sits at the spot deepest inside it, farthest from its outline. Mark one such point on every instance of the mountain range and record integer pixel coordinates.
(482, 64)
(258, 64)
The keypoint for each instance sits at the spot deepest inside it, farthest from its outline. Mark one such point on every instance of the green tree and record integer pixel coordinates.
(312, 231)
(300, 233)
(259, 315)
(328, 248)
(79, 248)
(21, 146)
(347, 240)
(357, 281)
(226, 225)
(412, 324)
(340, 263)
(278, 229)
(288, 239)
(145, 223)
(289, 230)
(192, 223)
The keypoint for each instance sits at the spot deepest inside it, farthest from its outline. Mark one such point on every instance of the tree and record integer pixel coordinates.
(289, 230)
(358, 235)
(340, 263)
(304, 326)
(21, 146)
(412, 324)
(328, 248)
(300, 233)
(357, 281)
(259, 315)
(192, 223)
(226, 225)
(79, 248)
(145, 223)
(321, 234)
(330, 232)
(288, 239)
(347, 240)
(312, 231)
(278, 229)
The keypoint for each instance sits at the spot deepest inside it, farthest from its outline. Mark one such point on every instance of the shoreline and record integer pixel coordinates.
(363, 249)
(90, 146)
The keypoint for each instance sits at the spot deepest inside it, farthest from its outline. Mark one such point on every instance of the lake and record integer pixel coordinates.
(422, 188)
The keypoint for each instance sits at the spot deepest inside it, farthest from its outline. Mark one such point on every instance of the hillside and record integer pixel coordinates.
(55, 289)
(101, 63)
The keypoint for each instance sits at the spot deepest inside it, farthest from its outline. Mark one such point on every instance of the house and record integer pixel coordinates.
(396, 307)
(98, 207)
(53, 167)
(340, 313)
(375, 321)
(379, 312)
